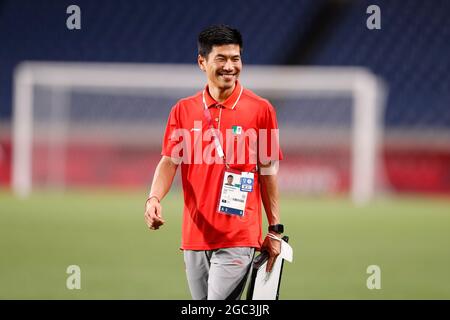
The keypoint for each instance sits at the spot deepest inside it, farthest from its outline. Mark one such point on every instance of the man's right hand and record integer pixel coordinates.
(153, 214)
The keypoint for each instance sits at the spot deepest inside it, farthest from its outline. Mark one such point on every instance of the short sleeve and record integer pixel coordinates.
(271, 142)
(172, 124)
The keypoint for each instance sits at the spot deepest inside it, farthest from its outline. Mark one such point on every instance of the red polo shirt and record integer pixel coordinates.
(188, 138)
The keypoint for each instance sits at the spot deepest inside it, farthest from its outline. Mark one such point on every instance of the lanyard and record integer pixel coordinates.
(217, 144)
(216, 139)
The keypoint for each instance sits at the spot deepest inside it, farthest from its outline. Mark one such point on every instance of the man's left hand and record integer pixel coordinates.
(273, 248)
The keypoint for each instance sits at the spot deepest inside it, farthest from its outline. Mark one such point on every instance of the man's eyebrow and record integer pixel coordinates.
(221, 55)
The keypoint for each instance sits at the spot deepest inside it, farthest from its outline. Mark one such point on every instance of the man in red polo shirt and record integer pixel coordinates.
(225, 138)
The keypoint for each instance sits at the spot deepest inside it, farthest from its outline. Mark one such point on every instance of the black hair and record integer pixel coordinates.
(229, 176)
(217, 35)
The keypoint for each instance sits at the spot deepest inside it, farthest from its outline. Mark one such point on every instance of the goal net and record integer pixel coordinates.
(90, 124)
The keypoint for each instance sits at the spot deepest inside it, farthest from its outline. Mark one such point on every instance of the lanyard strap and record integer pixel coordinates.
(216, 139)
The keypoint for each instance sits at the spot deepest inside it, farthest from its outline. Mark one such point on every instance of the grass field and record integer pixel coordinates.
(105, 234)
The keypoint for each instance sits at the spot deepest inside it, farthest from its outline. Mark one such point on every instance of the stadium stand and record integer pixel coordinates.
(154, 31)
(410, 52)
(141, 31)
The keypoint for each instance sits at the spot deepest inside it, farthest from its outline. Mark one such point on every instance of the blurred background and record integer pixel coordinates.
(82, 113)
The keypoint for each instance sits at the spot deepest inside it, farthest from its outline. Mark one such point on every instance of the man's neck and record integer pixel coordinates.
(220, 95)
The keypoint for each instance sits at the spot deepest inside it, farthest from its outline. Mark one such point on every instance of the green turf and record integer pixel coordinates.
(334, 242)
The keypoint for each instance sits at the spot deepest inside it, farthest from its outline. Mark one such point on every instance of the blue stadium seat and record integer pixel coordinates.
(411, 52)
(141, 31)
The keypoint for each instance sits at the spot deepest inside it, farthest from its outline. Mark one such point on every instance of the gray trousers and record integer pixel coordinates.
(218, 274)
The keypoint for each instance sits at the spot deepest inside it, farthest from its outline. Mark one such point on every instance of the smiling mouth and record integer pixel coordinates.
(227, 76)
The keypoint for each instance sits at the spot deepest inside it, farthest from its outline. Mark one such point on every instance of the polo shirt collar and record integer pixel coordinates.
(231, 101)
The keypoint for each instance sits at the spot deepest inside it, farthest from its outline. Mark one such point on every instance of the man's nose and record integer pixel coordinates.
(228, 65)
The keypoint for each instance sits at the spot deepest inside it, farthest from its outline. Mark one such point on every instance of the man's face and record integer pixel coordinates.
(222, 66)
(230, 180)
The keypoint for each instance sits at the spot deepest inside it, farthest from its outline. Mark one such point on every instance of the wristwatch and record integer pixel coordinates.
(278, 228)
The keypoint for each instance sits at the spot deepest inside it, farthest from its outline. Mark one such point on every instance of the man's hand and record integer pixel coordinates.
(153, 214)
(273, 248)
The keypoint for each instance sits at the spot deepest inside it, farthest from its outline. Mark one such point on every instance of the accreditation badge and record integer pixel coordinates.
(234, 192)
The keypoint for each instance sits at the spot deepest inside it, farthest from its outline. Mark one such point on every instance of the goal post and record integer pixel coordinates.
(50, 97)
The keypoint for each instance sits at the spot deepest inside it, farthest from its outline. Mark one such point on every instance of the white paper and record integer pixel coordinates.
(266, 284)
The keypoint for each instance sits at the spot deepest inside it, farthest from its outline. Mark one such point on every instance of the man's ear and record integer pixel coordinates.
(201, 62)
